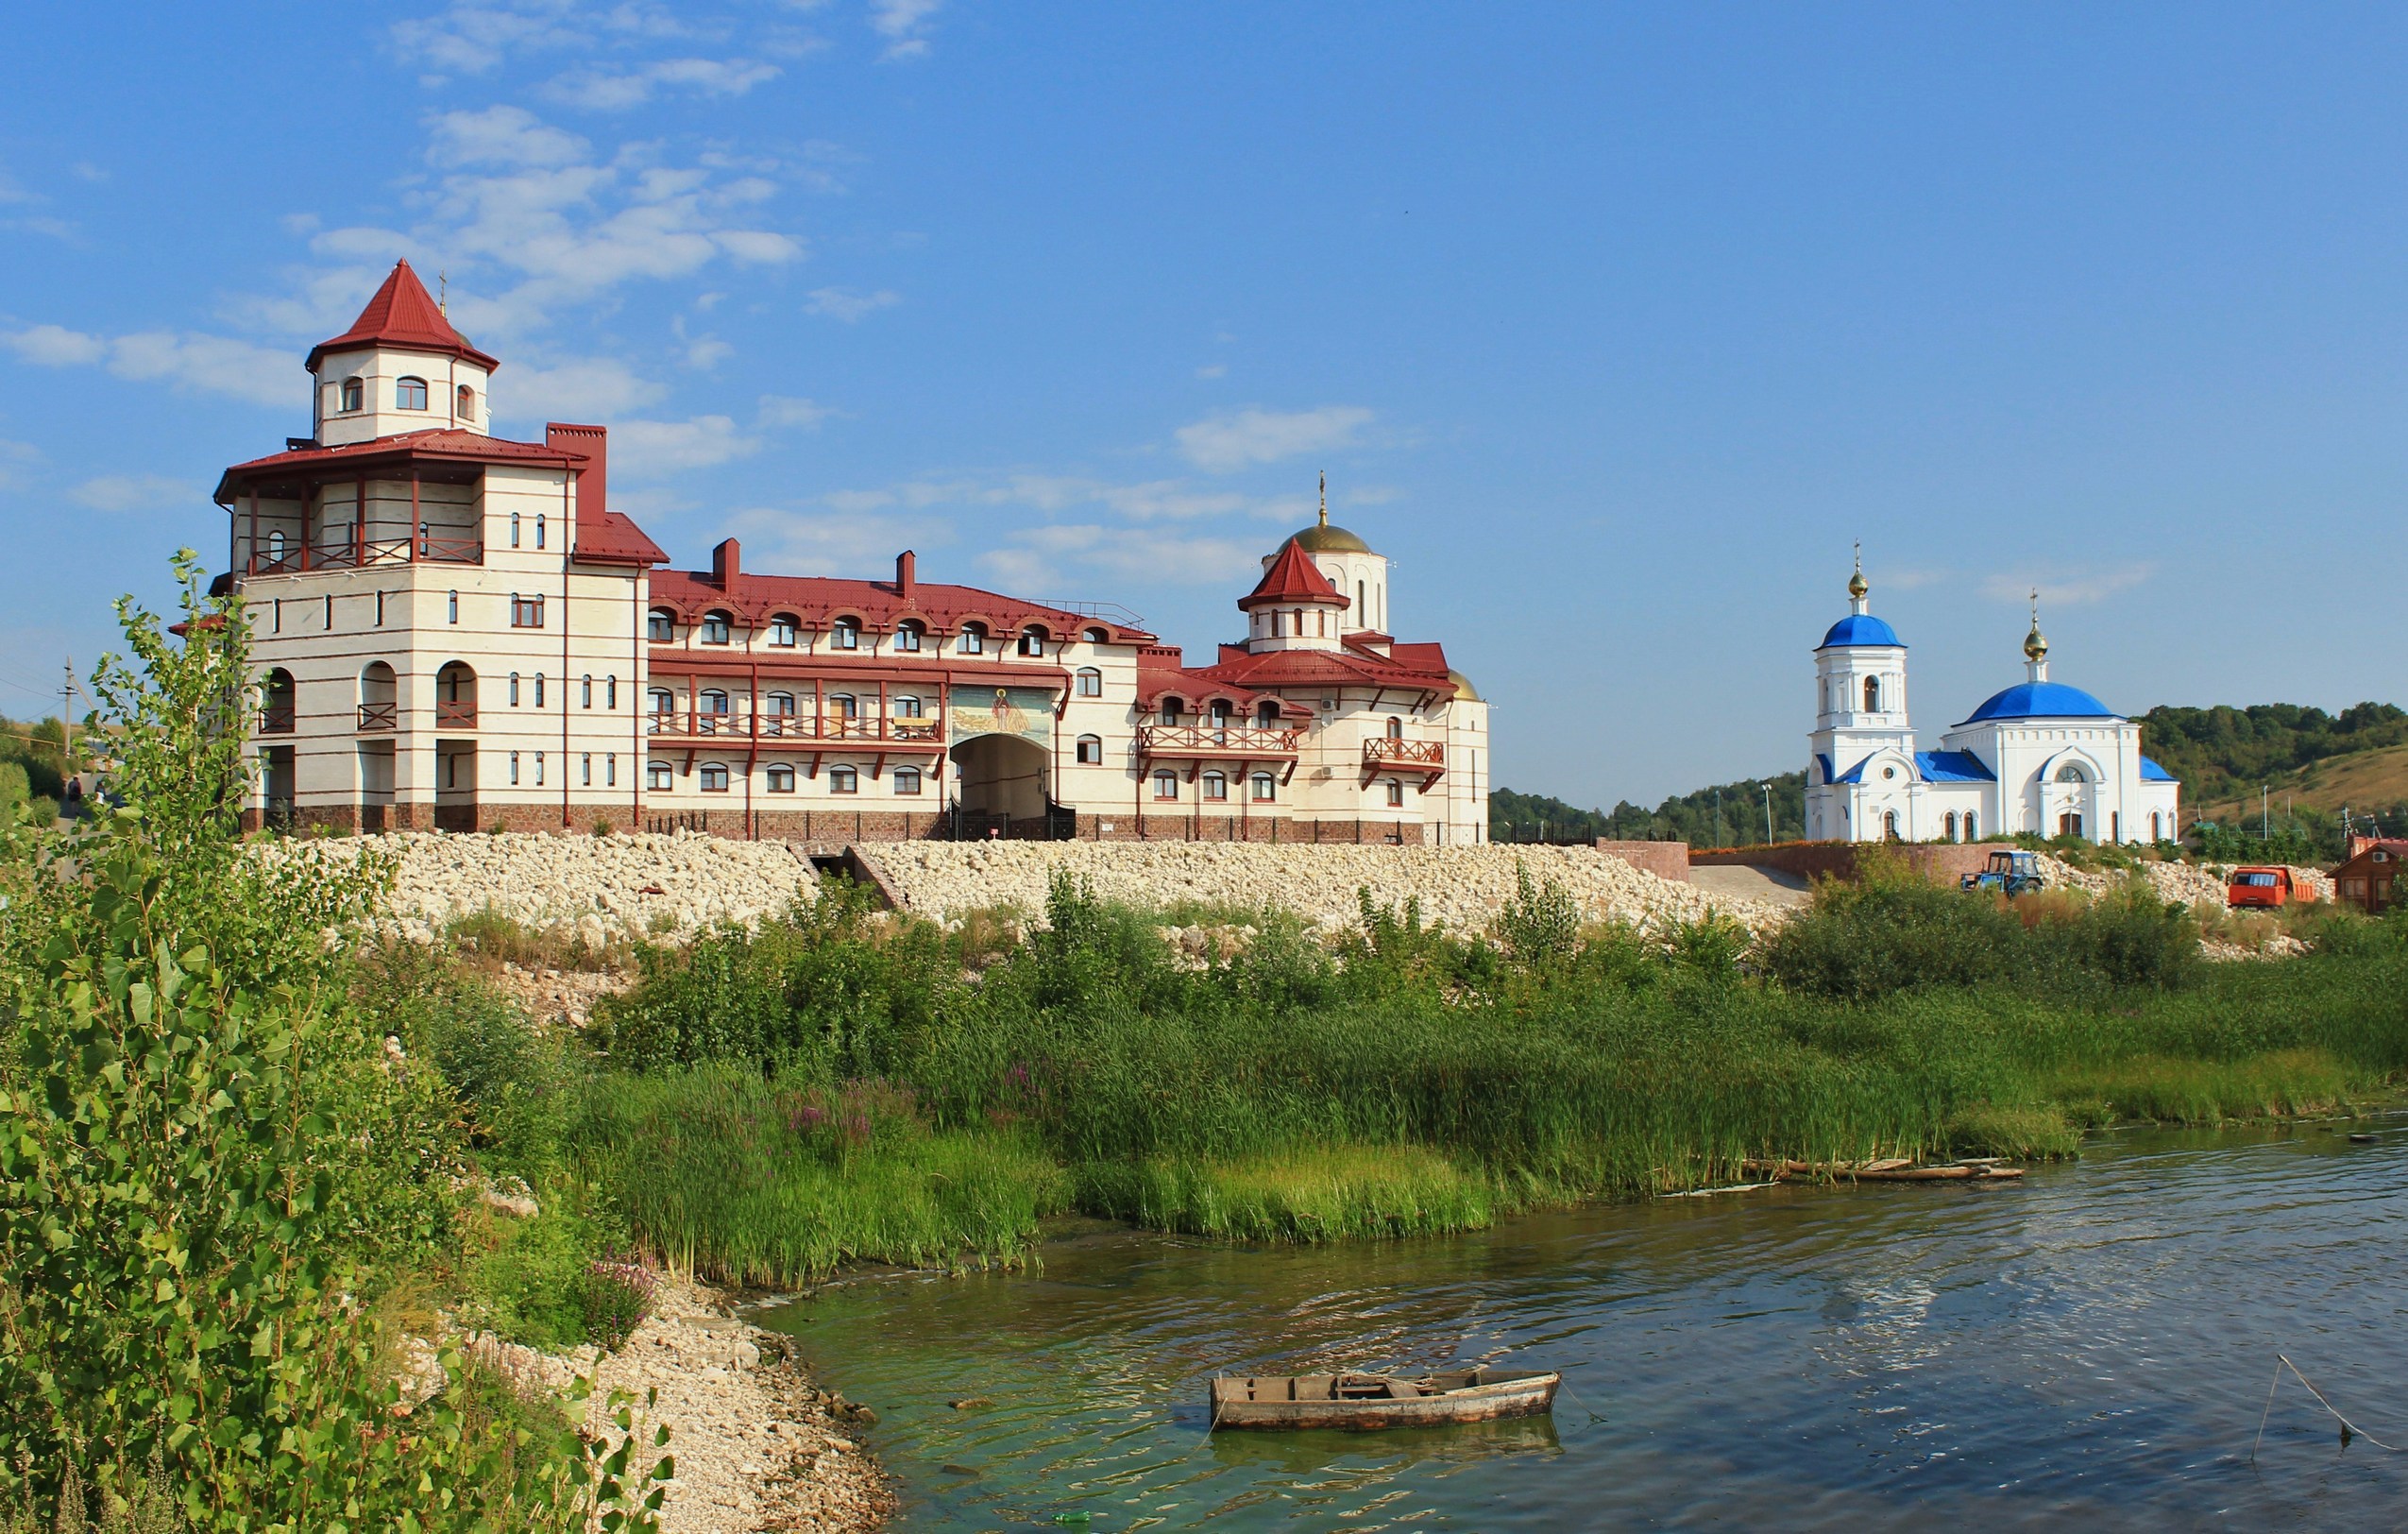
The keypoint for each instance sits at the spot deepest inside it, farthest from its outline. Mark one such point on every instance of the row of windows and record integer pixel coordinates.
(909, 637)
(778, 778)
(1263, 787)
(712, 700)
(408, 393)
(585, 769)
(585, 690)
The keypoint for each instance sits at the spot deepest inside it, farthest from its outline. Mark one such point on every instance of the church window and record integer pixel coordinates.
(1873, 694)
(2157, 832)
(468, 402)
(1972, 827)
(354, 394)
(1889, 825)
(1090, 682)
(1362, 607)
(2072, 772)
(409, 394)
(1948, 824)
(1165, 785)
(1091, 751)
(2069, 824)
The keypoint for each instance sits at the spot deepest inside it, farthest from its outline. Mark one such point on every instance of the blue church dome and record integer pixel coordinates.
(2042, 700)
(1861, 628)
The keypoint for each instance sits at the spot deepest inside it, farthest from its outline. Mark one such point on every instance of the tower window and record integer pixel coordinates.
(514, 529)
(1873, 694)
(526, 612)
(513, 768)
(467, 402)
(354, 394)
(585, 693)
(539, 690)
(514, 690)
(610, 692)
(410, 393)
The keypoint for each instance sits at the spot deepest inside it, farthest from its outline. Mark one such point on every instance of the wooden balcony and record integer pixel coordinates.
(379, 716)
(276, 719)
(1248, 743)
(699, 725)
(1387, 753)
(346, 554)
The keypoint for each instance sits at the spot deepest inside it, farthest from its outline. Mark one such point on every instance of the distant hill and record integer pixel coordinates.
(1724, 815)
(2224, 754)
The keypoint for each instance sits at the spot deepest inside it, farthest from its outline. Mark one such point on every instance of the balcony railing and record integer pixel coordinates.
(380, 716)
(1387, 752)
(703, 724)
(276, 719)
(1216, 741)
(455, 716)
(344, 554)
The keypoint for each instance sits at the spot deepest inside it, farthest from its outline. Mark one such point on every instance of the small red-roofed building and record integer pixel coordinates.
(455, 631)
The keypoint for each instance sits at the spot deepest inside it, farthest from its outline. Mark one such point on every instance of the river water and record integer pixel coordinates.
(2089, 1347)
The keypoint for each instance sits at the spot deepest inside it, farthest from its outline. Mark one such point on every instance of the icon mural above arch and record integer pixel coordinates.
(1023, 712)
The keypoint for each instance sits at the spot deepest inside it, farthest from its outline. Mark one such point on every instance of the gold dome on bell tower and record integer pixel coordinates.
(2035, 643)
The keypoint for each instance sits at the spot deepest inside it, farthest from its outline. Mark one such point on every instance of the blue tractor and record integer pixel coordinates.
(2009, 873)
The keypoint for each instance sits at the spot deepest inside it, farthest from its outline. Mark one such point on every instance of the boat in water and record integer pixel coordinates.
(1362, 1403)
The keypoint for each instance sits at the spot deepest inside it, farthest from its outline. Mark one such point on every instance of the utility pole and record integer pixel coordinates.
(66, 720)
(1717, 817)
(1768, 813)
(2265, 814)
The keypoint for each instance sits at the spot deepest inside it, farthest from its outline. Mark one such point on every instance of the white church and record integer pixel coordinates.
(2039, 756)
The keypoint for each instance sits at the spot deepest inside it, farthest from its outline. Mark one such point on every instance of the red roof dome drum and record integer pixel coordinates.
(403, 315)
(1292, 580)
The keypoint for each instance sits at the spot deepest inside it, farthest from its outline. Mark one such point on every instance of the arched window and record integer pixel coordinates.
(539, 690)
(1873, 694)
(844, 780)
(1889, 825)
(452, 609)
(410, 393)
(610, 692)
(846, 635)
(782, 705)
(1395, 728)
(714, 776)
(1948, 824)
(712, 701)
(907, 635)
(1217, 787)
(660, 625)
(1166, 784)
(1218, 711)
(715, 627)
(1032, 639)
(1098, 636)
(1090, 682)
(513, 768)
(785, 631)
(1267, 788)
(585, 693)
(514, 690)
(659, 777)
(1972, 827)
(1267, 715)
(1396, 794)
(466, 398)
(907, 706)
(355, 394)
(780, 778)
(1362, 607)
(1170, 710)
(514, 529)
(973, 640)
(2157, 832)
(276, 545)
(2072, 772)
(540, 530)
(907, 780)
(1091, 751)
(663, 701)
(842, 706)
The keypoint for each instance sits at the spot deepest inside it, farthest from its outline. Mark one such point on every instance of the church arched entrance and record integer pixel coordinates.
(1001, 786)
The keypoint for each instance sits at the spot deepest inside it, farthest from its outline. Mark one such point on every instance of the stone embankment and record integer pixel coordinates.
(2198, 885)
(756, 1446)
(602, 889)
(1464, 887)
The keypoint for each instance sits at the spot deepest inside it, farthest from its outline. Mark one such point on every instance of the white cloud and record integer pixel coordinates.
(1225, 443)
(706, 353)
(849, 304)
(904, 24)
(1049, 559)
(214, 364)
(2074, 591)
(606, 89)
(501, 136)
(1218, 369)
(805, 415)
(134, 492)
(55, 346)
(580, 389)
(474, 38)
(781, 542)
(643, 449)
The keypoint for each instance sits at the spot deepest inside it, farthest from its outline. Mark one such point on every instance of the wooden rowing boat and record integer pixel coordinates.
(1362, 1403)
(1971, 1170)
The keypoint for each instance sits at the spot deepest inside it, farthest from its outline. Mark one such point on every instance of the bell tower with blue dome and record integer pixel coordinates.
(1860, 712)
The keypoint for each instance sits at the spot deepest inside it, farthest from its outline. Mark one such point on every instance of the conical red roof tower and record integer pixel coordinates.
(403, 315)
(1292, 580)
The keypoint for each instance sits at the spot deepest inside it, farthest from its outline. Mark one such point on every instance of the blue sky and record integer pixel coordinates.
(1613, 325)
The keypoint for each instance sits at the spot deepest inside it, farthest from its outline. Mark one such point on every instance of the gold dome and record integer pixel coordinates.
(1857, 585)
(1324, 538)
(2035, 643)
(1464, 688)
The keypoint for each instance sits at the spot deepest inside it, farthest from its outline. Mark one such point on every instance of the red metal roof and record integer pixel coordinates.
(436, 444)
(879, 604)
(402, 315)
(1293, 577)
(1422, 666)
(614, 539)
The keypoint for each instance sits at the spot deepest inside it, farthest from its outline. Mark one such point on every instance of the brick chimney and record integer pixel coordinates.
(906, 569)
(724, 567)
(593, 479)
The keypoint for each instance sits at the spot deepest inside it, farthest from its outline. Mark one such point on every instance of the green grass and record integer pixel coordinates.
(1310, 1193)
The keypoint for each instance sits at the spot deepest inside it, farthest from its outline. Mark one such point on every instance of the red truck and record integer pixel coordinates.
(2262, 889)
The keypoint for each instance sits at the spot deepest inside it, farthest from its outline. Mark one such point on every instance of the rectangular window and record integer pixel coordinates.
(1265, 787)
(586, 770)
(379, 610)
(1165, 785)
(526, 612)
(276, 623)
(329, 612)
